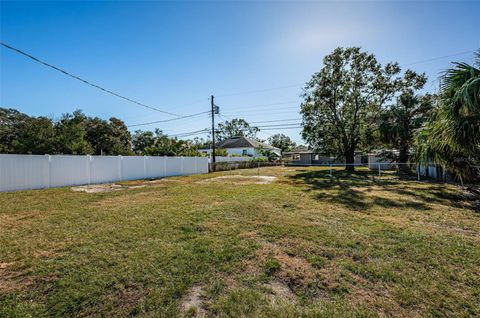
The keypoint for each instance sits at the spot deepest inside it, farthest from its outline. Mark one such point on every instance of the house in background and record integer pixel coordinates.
(241, 146)
(378, 159)
(301, 155)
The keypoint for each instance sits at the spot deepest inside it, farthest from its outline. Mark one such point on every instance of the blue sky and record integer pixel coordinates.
(174, 55)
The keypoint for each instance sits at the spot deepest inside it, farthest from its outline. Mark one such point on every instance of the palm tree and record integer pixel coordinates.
(399, 122)
(451, 137)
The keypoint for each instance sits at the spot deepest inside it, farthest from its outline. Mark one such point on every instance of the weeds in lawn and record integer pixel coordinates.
(304, 245)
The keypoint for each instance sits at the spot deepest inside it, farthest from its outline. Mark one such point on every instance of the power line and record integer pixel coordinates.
(228, 118)
(279, 125)
(274, 121)
(167, 120)
(185, 134)
(296, 85)
(438, 58)
(85, 81)
(281, 128)
(260, 105)
(292, 112)
(260, 90)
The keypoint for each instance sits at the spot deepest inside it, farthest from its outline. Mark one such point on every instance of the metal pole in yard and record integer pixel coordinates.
(213, 131)
(379, 173)
(418, 173)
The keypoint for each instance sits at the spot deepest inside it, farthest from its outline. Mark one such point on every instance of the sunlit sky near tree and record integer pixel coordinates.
(173, 56)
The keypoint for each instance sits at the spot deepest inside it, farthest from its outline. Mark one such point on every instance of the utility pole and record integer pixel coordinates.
(213, 130)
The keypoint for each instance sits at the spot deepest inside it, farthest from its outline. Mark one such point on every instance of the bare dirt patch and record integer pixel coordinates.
(123, 185)
(240, 179)
(293, 273)
(281, 292)
(13, 279)
(4, 265)
(107, 187)
(191, 303)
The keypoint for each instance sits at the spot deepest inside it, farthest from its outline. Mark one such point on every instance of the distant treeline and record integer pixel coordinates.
(79, 134)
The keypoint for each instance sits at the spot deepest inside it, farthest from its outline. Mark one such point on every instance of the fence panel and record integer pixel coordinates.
(23, 172)
(202, 164)
(105, 169)
(189, 165)
(133, 168)
(174, 166)
(69, 170)
(156, 167)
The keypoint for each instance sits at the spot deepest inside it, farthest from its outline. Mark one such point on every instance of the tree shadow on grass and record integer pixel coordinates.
(354, 190)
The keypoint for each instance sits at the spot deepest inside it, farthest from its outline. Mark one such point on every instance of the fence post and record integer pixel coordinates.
(120, 168)
(89, 169)
(379, 173)
(48, 175)
(144, 167)
(418, 172)
(164, 166)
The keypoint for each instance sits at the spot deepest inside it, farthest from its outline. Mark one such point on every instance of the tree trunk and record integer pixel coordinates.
(403, 159)
(350, 160)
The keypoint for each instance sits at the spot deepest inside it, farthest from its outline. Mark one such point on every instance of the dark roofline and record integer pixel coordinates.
(243, 142)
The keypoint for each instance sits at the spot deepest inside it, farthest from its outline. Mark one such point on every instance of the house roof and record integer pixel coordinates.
(242, 142)
(299, 149)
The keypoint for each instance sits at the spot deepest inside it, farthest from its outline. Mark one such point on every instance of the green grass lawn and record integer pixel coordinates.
(302, 246)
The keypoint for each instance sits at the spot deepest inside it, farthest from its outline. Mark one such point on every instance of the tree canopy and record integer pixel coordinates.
(343, 101)
(72, 134)
(451, 137)
(158, 144)
(234, 128)
(399, 122)
(282, 142)
(78, 134)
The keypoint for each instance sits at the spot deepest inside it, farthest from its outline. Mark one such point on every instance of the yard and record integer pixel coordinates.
(242, 246)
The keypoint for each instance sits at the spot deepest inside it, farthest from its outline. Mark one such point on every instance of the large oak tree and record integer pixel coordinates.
(343, 100)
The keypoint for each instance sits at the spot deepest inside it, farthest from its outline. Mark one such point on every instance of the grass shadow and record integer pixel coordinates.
(355, 190)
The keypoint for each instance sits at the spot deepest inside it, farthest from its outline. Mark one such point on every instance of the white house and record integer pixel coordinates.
(241, 146)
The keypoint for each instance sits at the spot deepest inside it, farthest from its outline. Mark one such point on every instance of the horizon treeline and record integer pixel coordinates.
(79, 134)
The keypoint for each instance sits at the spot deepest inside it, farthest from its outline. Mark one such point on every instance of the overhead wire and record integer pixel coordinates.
(86, 81)
(274, 121)
(256, 111)
(168, 120)
(259, 90)
(301, 84)
(186, 134)
(438, 58)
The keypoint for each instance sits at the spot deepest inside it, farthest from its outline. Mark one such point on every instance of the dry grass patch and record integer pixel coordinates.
(107, 187)
(240, 179)
(191, 304)
(306, 245)
(280, 292)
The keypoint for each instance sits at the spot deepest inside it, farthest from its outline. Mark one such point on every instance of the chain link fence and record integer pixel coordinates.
(228, 166)
(383, 171)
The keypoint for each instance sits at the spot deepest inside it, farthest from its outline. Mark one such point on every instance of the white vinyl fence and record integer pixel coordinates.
(24, 172)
